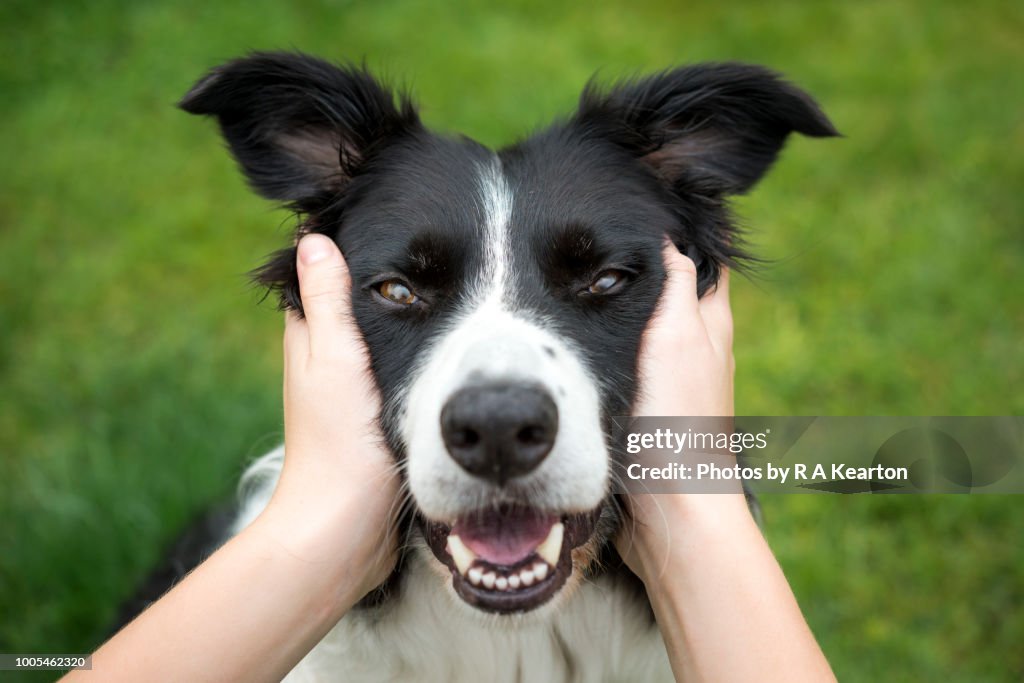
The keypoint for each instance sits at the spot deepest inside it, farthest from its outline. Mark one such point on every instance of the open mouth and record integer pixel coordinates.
(509, 559)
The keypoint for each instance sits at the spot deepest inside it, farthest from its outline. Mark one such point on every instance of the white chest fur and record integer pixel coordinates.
(599, 634)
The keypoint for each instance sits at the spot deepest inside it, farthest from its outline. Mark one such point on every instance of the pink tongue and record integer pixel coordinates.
(504, 538)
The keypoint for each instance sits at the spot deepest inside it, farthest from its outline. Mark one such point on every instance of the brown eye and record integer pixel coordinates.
(397, 292)
(606, 282)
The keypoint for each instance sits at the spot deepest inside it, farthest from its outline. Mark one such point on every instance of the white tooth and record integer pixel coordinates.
(540, 570)
(488, 580)
(475, 574)
(462, 555)
(527, 577)
(551, 548)
(501, 584)
(513, 581)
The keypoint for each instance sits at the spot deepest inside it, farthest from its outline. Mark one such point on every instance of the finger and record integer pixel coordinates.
(678, 308)
(325, 288)
(717, 313)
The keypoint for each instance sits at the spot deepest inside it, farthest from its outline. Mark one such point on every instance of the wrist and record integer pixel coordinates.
(677, 528)
(333, 547)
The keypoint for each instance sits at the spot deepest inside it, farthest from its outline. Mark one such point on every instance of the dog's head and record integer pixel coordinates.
(503, 295)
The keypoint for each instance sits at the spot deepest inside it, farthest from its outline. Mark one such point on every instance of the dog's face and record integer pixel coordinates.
(503, 295)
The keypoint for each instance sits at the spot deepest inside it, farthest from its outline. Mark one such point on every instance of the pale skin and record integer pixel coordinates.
(261, 602)
(722, 603)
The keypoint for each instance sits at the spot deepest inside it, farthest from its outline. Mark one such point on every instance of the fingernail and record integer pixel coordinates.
(313, 249)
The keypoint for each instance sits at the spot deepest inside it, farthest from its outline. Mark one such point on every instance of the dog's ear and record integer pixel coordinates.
(705, 132)
(716, 126)
(298, 126)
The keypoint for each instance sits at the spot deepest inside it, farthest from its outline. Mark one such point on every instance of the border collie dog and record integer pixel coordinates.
(502, 296)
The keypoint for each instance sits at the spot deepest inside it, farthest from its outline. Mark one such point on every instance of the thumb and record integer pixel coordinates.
(325, 287)
(677, 318)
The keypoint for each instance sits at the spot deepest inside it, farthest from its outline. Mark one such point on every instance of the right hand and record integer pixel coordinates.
(339, 488)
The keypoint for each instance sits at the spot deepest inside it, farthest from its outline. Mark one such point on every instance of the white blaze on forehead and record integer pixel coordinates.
(490, 340)
(496, 198)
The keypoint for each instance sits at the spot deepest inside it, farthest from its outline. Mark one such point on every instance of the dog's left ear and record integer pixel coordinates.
(705, 132)
(715, 126)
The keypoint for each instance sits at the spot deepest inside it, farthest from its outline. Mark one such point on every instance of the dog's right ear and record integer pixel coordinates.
(299, 127)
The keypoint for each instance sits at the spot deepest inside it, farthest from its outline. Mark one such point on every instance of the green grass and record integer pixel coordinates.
(138, 375)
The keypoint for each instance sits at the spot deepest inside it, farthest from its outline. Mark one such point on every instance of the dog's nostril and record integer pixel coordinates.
(499, 431)
(531, 436)
(465, 437)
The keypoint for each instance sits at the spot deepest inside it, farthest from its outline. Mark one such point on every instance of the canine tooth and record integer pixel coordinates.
(475, 574)
(527, 577)
(501, 584)
(513, 581)
(488, 580)
(540, 570)
(551, 548)
(462, 555)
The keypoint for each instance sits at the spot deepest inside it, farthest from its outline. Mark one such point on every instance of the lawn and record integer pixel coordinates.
(139, 374)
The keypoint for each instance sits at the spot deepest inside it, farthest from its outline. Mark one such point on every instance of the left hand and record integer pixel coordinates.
(686, 370)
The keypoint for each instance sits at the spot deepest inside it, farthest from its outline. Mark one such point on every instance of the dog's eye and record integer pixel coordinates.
(397, 292)
(606, 282)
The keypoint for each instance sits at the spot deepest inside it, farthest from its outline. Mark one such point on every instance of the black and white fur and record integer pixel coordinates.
(501, 248)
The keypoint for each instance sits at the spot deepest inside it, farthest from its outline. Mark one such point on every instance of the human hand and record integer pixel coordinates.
(708, 571)
(686, 369)
(686, 360)
(339, 487)
(258, 605)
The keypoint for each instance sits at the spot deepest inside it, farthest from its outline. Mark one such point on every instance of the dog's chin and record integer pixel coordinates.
(509, 559)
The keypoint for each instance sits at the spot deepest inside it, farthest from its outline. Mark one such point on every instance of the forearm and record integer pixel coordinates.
(250, 612)
(722, 602)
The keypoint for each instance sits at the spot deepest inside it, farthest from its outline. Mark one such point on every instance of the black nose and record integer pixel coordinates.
(499, 431)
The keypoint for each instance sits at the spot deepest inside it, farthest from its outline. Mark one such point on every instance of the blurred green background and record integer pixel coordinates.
(138, 374)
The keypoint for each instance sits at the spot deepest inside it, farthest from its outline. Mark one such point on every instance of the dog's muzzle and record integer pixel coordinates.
(506, 458)
(510, 558)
